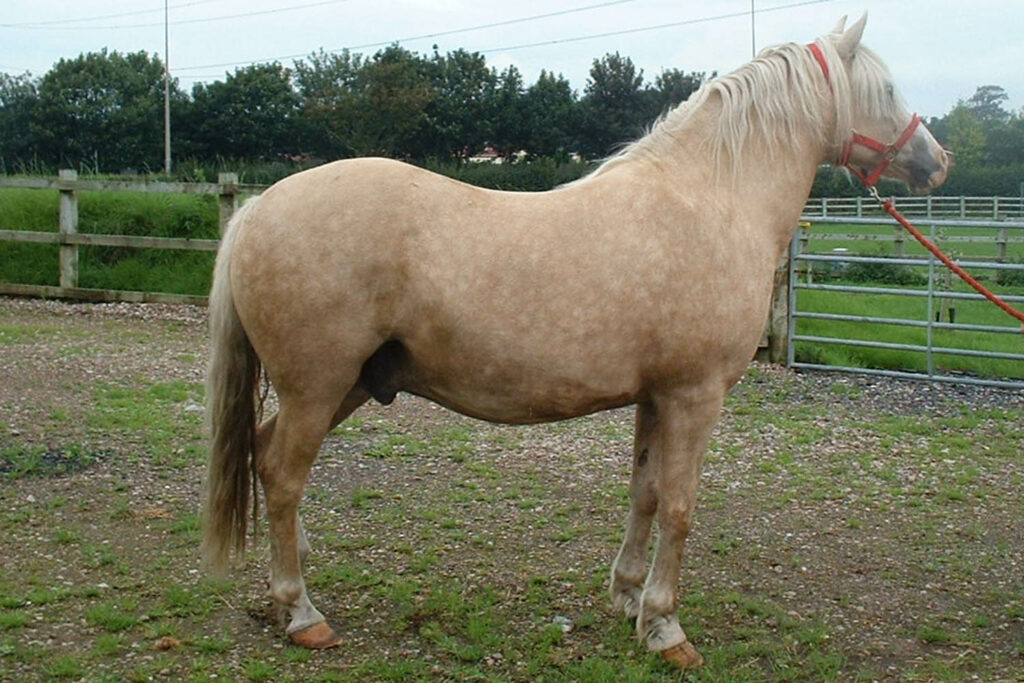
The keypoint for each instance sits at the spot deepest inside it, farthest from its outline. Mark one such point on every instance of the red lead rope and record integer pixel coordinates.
(890, 208)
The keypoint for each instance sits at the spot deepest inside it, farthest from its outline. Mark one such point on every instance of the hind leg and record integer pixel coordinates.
(293, 439)
(353, 400)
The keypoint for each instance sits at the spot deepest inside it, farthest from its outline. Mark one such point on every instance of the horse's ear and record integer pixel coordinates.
(840, 26)
(850, 39)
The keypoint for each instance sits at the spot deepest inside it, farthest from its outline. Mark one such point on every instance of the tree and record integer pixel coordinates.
(460, 113)
(965, 137)
(987, 104)
(102, 109)
(396, 92)
(251, 114)
(507, 131)
(671, 87)
(329, 86)
(18, 100)
(1004, 143)
(551, 117)
(613, 105)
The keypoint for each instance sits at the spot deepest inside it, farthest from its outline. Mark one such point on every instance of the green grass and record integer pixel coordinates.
(873, 237)
(114, 616)
(908, 308)
(116, 213)
(891, 306)
(11, 335)
(65, 666)
(13, 620)
(457, 595)
(19, 461)
(158, 410)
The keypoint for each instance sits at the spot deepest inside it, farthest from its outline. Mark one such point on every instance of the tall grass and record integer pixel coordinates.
(115, 213)
(826, 237)
(908, 308)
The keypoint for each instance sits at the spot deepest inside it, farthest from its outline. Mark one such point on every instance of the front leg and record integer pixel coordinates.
(678, 441)
(630, 566)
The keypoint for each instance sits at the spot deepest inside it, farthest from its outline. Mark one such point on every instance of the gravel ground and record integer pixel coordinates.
(871, 507)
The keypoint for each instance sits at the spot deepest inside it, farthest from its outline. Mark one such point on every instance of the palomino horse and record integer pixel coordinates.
(647, 283)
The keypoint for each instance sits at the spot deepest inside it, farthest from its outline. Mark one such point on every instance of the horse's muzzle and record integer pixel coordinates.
(928, 171)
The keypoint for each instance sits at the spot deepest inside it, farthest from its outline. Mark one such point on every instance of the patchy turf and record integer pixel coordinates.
(849, 529)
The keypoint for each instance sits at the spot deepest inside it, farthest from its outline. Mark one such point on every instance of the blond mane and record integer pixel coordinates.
(773, 98)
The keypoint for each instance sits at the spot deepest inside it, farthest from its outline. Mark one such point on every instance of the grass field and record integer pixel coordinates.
(878, 239)
(116, 213)
(910, 308)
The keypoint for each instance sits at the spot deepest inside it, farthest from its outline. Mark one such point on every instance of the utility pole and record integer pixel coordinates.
(167, 94)
(753, 43)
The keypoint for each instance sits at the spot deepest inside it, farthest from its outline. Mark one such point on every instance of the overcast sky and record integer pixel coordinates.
(938, 50)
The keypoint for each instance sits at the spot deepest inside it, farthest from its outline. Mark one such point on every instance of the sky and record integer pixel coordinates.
(939, 51)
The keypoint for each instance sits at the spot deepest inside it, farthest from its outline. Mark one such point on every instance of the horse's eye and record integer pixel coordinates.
(889, 90)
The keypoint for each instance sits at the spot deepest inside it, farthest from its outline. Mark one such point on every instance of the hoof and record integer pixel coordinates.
(683, 656)
(316, 637)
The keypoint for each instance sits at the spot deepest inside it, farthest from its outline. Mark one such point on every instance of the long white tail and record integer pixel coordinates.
(232, 397)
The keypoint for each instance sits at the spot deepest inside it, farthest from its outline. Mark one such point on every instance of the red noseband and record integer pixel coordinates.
(888, 152)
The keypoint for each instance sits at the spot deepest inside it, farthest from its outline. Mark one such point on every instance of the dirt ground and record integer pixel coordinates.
(849, 529)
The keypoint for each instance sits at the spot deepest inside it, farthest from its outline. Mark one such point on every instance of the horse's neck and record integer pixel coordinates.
(775, 186)
(768, 185)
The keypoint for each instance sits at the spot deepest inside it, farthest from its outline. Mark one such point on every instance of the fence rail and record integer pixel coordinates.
(977, 208)
(935, 291)
(1007, 232)
(227, 189)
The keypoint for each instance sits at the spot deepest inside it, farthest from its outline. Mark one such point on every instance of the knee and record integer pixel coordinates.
(644, 502)
(675, 520)
(285, 592)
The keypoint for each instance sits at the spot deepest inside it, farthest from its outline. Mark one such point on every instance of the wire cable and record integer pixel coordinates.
(117, 27)
(438, 34)
(135, 13)
(674, 24)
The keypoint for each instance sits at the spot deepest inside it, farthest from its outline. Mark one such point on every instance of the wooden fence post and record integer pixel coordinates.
(778, 316)
(228, 198)
(68, 225)
(897, 241)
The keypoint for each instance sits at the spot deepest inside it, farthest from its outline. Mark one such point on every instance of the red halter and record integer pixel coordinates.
(889, 152)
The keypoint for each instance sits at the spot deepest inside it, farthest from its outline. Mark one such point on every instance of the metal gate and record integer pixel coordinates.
(805, 268)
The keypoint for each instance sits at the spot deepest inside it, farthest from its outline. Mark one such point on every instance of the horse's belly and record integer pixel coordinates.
(494, 406)
(509, 390)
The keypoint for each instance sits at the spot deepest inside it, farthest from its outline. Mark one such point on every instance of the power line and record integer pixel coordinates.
(437, 34)
(523, 46)
(622, 32)
(135, 13)
(223, 17)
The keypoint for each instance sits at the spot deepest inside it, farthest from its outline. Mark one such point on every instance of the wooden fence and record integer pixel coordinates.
(227, 189)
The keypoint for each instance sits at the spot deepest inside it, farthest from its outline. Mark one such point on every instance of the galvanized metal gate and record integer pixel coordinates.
(802, 269)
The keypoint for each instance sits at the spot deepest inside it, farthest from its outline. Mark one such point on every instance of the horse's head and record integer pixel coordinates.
(877, 134)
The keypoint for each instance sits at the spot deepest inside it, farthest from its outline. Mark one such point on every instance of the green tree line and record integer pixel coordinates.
(103, 112)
